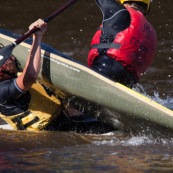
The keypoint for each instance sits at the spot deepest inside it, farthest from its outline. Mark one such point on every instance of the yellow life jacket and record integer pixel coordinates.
(42, 110)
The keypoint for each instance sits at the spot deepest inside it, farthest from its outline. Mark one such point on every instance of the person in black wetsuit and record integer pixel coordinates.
(124, 45)
(15, 97)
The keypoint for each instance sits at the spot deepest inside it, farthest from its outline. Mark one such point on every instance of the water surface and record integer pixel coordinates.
(71, 32)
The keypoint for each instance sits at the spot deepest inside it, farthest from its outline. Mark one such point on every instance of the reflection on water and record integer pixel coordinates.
(71, 32)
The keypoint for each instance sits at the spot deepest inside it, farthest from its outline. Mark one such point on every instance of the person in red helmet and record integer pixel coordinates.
(124, 45)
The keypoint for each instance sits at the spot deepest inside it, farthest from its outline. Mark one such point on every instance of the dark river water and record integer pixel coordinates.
(71, 33)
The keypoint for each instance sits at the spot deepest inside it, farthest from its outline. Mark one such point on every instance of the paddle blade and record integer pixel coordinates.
(5, 53)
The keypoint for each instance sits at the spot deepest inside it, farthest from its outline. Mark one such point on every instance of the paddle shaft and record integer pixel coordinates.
(6, 51)
(48, 19)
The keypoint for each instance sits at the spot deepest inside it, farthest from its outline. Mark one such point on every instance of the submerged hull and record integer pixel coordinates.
(62, 73)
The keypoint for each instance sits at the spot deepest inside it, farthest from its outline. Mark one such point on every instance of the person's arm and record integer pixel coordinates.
(116, 18)
(33, 63)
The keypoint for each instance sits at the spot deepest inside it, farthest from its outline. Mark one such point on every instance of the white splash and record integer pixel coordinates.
(1, 57)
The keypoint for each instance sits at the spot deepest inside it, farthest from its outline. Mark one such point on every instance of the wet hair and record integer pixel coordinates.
(140, 6)
(17, 63)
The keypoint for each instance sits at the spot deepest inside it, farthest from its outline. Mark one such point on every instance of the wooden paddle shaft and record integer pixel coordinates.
(48, 19)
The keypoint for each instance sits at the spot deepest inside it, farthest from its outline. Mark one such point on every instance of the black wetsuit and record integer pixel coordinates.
(12, 99)
(116, 18)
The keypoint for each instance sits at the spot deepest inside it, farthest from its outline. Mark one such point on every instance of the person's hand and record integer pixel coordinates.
(41, 25)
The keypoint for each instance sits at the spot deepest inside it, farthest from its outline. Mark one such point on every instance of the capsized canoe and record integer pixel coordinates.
(64, 74)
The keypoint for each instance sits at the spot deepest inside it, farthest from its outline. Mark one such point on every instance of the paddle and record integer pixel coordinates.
(6, 51)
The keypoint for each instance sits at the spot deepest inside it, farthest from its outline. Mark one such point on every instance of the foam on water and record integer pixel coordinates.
(167, 102)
